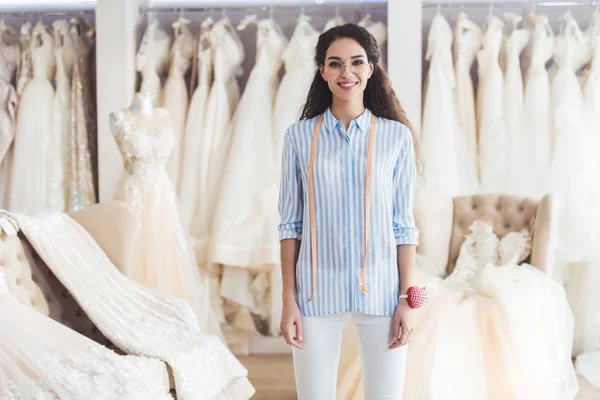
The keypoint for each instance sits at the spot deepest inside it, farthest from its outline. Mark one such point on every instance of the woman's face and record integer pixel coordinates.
(346, 69)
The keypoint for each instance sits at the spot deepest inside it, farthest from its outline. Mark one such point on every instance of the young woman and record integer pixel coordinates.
(347, 228)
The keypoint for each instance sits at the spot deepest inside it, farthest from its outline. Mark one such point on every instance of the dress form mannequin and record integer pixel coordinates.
(143, 103)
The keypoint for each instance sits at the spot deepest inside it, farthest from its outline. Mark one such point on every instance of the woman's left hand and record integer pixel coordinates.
(402, 324)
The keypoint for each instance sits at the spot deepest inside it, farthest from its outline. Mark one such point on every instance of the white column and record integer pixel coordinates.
(404, 55)
(116, 29)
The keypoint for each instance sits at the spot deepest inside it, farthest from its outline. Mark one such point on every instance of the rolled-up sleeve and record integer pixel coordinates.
(290, 194)
(405, 231)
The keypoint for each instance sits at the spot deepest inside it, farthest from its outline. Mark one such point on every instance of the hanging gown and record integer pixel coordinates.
(298, 58)
(61, 129)
(152, 59)
(25, 71)
(242, 237)
(514, 111)
(30, 176)
(333, 22)
(509, 323)
(224, 95)
(8, 109)
(443, 147)
(490, 111)
(192, 188)
(175, 93)
(377, 29)
(467, 41)
(537, 138)
(583, 285)
(80, 180)
(243, 234)
(573, 167)
(162, 258)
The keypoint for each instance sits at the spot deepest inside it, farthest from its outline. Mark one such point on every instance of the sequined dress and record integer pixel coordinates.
(162, 258)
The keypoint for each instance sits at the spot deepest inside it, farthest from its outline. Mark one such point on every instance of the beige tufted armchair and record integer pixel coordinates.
(443, 221)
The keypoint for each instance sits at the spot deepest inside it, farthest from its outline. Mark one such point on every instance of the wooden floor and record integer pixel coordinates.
(273, 378)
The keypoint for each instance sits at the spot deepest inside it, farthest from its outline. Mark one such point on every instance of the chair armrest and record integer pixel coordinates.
(544, 234)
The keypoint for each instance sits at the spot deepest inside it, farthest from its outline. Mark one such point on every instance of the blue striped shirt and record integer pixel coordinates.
(339, 184)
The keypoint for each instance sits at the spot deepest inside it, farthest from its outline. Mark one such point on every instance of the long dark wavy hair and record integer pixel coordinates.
(379, 97)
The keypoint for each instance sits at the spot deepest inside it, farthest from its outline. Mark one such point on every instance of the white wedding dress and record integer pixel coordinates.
(583, 286)
(30, 175)
(152, 59)
(9, 54)
(61, 128)
(224, 95)
(246, 211)
(43, 359)
(175, 93)
(137, 320)
(537, 139)
(443, 144)
(467, 41)
(193, 181)
(514, 111)
(163, 260)
(508, 323)
(490, 111)
(573, 167)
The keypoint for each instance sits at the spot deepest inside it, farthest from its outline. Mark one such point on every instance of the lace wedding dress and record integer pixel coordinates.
(508, 323)
(162, 258)
(43, 359)
(137, 320)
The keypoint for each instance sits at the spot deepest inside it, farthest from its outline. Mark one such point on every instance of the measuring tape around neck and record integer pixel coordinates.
(311, 193)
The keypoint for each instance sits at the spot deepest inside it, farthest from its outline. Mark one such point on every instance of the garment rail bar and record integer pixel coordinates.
(278, 7)
(30, 14)
(511, 4)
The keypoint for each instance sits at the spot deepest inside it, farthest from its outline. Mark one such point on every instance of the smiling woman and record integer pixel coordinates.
(348, 178)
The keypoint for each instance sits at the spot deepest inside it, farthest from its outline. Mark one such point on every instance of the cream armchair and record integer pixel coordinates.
(443, 221)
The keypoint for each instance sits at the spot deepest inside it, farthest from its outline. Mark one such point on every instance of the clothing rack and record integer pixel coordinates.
(287, 6)
(504, 5)
(47, 13)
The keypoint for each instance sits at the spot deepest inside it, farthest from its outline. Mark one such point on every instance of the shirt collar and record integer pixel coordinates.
(331, 122)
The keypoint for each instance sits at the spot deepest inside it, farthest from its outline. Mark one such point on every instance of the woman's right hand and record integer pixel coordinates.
(290, 318)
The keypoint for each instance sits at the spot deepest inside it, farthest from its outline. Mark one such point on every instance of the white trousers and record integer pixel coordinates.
(316, 365)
